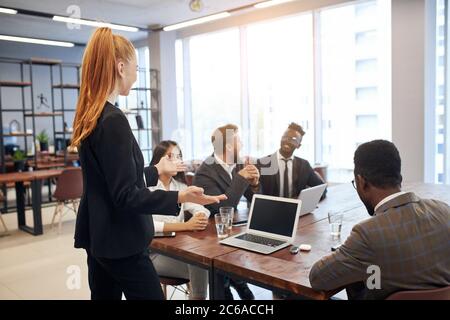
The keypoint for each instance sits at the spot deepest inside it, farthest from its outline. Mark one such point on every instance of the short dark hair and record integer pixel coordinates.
(160, 150)
(379, 163)
(219, 137)
(296, 127)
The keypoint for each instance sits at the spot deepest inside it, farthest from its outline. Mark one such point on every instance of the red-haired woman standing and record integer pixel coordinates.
(112, 222)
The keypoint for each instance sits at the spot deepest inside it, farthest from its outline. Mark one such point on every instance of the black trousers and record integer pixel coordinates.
(133, 276)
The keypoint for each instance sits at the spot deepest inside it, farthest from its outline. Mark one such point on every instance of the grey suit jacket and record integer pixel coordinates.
(408, 238)
(213, 178)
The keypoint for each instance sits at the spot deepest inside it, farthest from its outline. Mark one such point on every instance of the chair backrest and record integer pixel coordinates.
(431, 294)
(69, 185)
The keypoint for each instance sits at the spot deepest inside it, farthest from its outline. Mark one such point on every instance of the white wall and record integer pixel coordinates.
(408, 85)
(162, 58)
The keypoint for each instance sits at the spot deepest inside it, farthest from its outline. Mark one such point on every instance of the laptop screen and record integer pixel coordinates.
(273, 216)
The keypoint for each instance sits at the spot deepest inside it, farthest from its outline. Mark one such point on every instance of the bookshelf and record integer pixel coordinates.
(143, 101)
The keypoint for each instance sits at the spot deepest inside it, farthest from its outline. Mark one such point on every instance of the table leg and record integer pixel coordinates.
(5, 197)
(50, 190)
(36, 198)
(20, 203)
(216, 284)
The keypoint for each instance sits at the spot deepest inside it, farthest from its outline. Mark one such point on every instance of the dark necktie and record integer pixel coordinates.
(286, 179)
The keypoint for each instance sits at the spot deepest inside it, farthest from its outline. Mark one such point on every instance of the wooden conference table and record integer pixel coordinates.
(281, 270)
(35, 177)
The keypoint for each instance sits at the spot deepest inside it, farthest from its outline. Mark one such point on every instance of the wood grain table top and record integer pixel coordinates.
(29, 175)
(290, 272)
(282, 269)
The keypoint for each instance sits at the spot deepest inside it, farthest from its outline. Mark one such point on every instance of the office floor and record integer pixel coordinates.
(37, 267)
(44, 267)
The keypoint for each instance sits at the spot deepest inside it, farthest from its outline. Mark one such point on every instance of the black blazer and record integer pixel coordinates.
(213, 178)
(303, 176)
(111, 220)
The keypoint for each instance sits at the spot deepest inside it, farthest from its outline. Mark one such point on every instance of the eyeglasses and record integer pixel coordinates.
(354, 184)
(174, 156)
(295, 140)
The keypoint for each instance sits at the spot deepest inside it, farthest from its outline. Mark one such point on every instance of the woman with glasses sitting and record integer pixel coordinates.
(166, 266)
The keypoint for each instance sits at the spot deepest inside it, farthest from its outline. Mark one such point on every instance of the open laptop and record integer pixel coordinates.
(310, 198)
(272, 225)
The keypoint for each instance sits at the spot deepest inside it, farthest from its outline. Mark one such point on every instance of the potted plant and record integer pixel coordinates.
(42, 137)
(19, 159)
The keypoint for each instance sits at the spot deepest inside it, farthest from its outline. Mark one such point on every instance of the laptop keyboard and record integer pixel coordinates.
(261, 240)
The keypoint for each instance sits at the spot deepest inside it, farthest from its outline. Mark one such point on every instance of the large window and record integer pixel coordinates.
(327, 70)
(280, 82)
(440, 96)
(354, 81)
(215, 86)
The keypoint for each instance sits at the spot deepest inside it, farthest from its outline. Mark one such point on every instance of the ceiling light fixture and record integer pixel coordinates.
(266, 4)
(196, 5)
(92, 23)
(189, 23)
(8, 11)
(37, 41)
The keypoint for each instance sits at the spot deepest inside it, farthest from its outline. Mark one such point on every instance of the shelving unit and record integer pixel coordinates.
(146, 104)
(44, 114)
(66, 86)
(14, 84)
(18, 134)
(22, 85)
(29, 113)
(62, 87)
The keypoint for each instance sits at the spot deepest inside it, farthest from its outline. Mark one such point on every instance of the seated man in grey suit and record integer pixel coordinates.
(406, 240)
(283, 174)
(224, 173)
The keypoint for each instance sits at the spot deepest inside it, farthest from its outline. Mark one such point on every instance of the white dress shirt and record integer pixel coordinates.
(160, 220)
(281, 167)
(388, 198)
(227, 167)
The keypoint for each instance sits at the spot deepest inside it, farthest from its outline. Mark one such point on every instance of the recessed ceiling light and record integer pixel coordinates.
(196, 5)
(37, 41)
(197, 21)
(92, 23)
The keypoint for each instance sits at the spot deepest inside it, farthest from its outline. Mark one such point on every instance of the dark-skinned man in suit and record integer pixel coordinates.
(282, 173)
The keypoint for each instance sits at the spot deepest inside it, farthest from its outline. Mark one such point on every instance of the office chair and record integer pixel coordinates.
(69, 188)
(431, 294)
(177, 283)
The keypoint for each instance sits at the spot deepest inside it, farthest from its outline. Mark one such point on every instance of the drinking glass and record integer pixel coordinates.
(221, 225)
(335, 219)
(227, 212)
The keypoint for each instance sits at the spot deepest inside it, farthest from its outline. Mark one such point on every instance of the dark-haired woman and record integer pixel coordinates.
(164, 265)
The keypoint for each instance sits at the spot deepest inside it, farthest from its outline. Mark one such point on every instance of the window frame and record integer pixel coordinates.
(244, 93)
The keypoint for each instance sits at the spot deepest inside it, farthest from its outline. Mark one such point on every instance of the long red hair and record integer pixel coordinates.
(98, 79)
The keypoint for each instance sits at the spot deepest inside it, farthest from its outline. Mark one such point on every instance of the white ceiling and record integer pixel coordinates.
(141, 13)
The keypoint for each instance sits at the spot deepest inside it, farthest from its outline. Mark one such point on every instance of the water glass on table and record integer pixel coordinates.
(227, 212)
(335, 219)
(221, 225)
